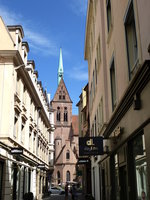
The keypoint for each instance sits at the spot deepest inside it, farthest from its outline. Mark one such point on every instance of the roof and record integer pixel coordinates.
(15, 27)
(56, 96)
(75, 125)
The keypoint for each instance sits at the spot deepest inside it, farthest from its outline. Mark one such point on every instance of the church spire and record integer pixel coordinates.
(60, 68)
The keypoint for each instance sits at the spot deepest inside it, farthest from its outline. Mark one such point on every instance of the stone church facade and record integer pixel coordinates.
(65, 134)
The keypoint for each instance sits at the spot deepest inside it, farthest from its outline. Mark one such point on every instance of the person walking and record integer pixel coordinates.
(73, 191)
(66, 191)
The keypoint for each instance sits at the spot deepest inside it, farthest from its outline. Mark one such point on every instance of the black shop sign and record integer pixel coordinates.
(90, 146)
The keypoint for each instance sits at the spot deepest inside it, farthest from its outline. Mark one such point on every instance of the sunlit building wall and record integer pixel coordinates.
(117, 47)
(26, 121)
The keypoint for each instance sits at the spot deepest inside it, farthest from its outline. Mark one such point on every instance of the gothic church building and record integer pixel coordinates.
(65, 134)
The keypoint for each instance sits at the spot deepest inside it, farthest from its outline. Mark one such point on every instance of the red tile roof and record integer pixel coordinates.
(75, 125)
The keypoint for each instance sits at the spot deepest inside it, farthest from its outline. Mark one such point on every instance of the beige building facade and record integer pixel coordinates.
(84, 163)
(26, 121)
(117, 47)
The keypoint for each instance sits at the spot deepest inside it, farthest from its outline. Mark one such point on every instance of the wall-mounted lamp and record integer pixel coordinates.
(17, 67)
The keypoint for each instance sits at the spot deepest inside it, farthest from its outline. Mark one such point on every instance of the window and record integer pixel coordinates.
(67, 155)
(65, 114)
(24, 95)
(25, 57)
(108, 6)
(58, 114)
(23, 130)
(29, 179)
(16, 121)
(58, 177)
(30, 138)
(93, 83)
(131, 40)
(95, 126)
(98, 52)
(31, 108)
(34, 142)
(100, 114)
(40, 184)
(95, 72)
(15, 177)
(95, 6)
(116, 180)
(113, 84)
(67, 176)
(140, 167)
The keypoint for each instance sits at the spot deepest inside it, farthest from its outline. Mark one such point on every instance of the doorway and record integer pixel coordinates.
(123, 182)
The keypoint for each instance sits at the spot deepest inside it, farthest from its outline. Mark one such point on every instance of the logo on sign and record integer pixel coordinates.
(90, 146)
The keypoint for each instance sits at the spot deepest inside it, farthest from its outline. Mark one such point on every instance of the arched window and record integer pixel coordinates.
(65, 114)
(58, 177)
(67, 176)
(58, 114)
(67, 155)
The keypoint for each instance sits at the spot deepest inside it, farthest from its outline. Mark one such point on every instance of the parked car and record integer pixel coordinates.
(56, 190)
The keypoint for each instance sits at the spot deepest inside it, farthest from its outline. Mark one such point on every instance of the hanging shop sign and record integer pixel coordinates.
(17, 151)
(41, 166)
(90, 146)
(83, 161)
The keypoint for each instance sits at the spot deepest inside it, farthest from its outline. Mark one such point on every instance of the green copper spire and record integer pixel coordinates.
(60, 68)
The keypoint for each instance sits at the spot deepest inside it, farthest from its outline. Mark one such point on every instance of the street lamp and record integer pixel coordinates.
(2, 58)
(17, 67)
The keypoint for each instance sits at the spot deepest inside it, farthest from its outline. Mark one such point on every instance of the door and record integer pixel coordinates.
(123, 182)
(1, 178)
(103, 185)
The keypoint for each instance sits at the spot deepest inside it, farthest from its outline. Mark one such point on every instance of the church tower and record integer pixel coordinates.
(60, 68)
(65, 133)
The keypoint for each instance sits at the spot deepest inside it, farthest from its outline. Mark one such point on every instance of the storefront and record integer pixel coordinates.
(1, 177)
(124, 170)
(124, 174)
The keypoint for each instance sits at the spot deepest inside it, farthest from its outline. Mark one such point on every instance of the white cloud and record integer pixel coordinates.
(36, 40)
(79, 73)
(79, 7)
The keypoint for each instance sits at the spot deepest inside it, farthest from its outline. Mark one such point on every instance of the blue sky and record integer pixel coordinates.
(49, 25)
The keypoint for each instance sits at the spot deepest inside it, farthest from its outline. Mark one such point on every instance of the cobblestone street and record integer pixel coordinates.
(62, 197)
(57, 197)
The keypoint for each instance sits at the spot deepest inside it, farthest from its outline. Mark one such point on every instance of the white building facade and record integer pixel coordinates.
(26, 121)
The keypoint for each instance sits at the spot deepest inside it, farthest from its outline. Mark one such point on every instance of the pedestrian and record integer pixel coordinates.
(143, 195)
(66, 191)
(73, 191)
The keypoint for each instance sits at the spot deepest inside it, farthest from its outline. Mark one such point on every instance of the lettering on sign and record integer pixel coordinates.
(90, 146)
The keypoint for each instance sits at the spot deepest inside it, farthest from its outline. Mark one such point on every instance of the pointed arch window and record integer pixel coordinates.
(58, 177)
(65, 114)
(67, 155)
(58, 114)
(67, 176)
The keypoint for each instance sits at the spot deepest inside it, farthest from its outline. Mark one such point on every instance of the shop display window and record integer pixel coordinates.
(117, 188)
(140, 166)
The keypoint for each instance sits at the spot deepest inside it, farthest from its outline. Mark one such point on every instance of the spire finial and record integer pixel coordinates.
(60, 68)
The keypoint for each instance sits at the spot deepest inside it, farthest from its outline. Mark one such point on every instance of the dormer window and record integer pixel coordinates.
(25, 57)
(19, 43)
(67, 155)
